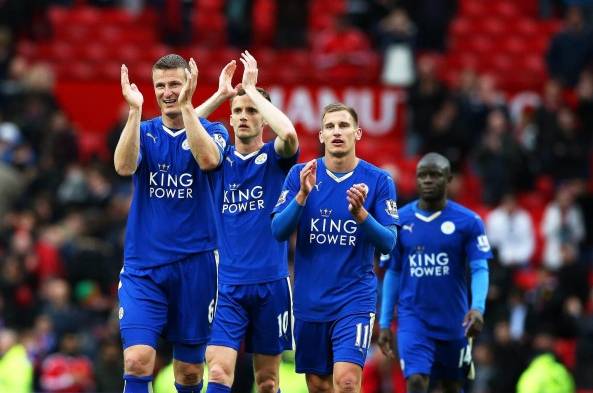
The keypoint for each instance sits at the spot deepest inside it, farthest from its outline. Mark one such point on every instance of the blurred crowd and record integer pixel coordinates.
(62, 216)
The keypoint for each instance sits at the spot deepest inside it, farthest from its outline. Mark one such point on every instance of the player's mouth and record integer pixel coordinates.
(171, 101)
(338, 142)
(243, 127)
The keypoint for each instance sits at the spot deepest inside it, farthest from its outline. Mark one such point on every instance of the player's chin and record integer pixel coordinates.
(171, 111)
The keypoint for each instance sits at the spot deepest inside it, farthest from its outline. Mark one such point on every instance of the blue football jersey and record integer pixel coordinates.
(334, 274)
(432, 253)
(171, 214)
(246, 187)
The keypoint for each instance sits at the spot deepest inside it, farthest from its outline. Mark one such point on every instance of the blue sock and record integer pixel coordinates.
(189, 388)
(214, 387)
(134, 384)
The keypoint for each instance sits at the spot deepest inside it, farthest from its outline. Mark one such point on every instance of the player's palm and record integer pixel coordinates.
(129, 90)
(189, 86)
(225, 81)
(250, 70)
(309, 176)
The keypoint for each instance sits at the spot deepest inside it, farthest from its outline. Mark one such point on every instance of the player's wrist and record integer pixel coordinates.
(360, 216)
(301, 197)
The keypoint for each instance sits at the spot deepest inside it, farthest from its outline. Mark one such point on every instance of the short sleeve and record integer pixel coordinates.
(477, 245)
(219, 134)
(291, 187)
(385, 209)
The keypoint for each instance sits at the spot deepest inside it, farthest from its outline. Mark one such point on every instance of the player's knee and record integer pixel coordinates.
(347, 383)
(417, 384)
(318, 385)
(187, 374)
(267, 386)
(220, 373)
(138, 363)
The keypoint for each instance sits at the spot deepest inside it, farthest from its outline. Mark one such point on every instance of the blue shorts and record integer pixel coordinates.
(321, 344)
(260, 313)
(440, 359)
(176, 301)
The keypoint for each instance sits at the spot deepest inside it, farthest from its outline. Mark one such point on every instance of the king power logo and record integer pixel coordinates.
(238, 200)
(164, 184)
(428, 264)
(327, 230)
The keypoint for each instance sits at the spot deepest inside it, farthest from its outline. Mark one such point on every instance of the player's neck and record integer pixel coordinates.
(247, 146)
(432, 206)
(175, 122)
(341, 164)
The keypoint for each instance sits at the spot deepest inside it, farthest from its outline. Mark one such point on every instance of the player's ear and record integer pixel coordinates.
(321, 136)
(358, 133)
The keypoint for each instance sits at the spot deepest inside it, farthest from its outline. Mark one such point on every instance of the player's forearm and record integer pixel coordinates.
(382, 237)
(479, 269)
(389, 297)
(210, 105)
(125, 157)
(285, 222)
(287, 142)
(202, 146)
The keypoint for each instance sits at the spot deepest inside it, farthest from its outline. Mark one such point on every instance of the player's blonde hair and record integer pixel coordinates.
(337, 107)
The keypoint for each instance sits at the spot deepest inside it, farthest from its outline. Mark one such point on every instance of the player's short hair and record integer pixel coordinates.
(337, 107)
(170, 62)
(263, 92)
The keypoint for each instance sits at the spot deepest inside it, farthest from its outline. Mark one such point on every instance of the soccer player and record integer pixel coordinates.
(343, 209)
(254, 299)
(438, 238)
(168, 282)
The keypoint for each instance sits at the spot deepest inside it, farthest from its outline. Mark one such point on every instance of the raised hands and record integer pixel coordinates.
(130, 91)
(225, 81)
(308, 178)
(189, 86)
(250, 70)
(356, 195)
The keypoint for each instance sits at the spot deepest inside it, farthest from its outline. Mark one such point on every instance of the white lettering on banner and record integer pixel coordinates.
(377, 108)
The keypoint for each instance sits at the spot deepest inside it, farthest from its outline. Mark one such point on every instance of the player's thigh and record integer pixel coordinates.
(192, 289)
(271, 319)
(416, 352)
(143, 306)
(351, 338)
(231, 319)
(452, 360)
(314, 353)
(347, 377)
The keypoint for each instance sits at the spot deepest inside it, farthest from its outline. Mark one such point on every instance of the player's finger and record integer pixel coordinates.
(134, 87)
(124, 75)
(244, 63)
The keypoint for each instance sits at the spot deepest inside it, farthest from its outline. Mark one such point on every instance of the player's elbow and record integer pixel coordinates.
(208, 162)
(124, 169)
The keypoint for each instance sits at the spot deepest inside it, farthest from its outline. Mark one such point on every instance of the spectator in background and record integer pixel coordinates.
(291, 23)
(425, 97)
(511, 234)
(67, 371)
(562, 228)
(239, 19)
(499, 160)
(545, 374)
(16, 370)
(396, 28)
(446, 135)
(432, 18)
(508, 357)
(571, 50)
(569, 150)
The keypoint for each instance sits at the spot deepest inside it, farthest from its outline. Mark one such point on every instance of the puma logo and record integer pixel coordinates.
(152, 136)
